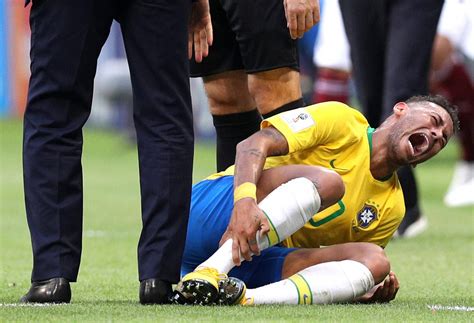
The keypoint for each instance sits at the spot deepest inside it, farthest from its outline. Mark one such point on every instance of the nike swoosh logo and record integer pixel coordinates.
(305, 299)
(334, 166)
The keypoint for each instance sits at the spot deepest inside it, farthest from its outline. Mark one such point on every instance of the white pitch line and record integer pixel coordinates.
(451, 308)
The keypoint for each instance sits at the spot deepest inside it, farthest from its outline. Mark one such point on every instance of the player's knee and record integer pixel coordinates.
(228, 93)
(330, 186)
(222, 104)
(272, 89)
(376, 260)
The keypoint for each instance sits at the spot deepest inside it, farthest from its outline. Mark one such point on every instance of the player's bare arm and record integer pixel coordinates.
(247, 218)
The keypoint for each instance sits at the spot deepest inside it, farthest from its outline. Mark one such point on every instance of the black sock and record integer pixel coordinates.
(230, 130)
(286, 107)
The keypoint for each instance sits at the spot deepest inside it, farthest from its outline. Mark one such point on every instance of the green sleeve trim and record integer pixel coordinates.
(330, 217)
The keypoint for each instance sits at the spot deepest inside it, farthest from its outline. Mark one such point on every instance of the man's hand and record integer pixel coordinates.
(200, 35)
(247, 218)
(301, 15)
(383, 292)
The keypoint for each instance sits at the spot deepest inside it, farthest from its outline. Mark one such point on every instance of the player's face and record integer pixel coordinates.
(421, 133)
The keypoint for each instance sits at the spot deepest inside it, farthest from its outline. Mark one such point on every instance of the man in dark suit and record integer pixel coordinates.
(391, 42)
(66, 39)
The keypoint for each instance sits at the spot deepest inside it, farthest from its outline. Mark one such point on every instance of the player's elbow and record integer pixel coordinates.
(247, 146)
(257, 145)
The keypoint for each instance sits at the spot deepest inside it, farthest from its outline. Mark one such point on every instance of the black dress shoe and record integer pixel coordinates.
(155, 291)
(54, 290)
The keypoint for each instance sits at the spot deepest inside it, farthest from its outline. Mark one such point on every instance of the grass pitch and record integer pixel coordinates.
(436, 269)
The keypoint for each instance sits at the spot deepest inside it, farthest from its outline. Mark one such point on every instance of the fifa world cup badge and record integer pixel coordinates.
(298, 119)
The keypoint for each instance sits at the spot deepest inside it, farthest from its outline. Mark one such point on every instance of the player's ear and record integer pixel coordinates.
(400, 108)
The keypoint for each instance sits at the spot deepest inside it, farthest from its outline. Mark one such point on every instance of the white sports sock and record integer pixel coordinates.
(326, 283)
(287, 208)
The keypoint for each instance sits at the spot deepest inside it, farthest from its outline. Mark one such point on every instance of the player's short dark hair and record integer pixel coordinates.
(442, 102)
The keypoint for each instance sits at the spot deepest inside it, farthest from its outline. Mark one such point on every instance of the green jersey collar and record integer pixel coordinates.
(370, 133)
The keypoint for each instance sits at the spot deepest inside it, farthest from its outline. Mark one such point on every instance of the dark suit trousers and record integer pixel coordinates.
(391, 43)
(66, 40)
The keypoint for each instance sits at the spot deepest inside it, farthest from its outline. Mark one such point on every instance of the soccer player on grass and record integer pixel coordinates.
(340, 190)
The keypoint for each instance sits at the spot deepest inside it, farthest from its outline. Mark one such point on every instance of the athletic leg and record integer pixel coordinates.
(232, 96)
(408, 53)
(233, 111)
(276, 90)
(334, 274)
(289, 196)
(364, 22)
(288, 207)
(155, 37)
(408, 49)
(66, 40)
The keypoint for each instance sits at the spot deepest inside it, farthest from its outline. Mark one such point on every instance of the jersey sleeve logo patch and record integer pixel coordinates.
(298, 119)
(366, 216)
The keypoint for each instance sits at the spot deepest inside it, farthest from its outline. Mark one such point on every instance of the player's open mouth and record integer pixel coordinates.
(419, 143)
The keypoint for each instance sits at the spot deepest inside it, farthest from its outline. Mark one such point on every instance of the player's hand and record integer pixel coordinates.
(200, 35)
(383, 292)
(301, 15)
(247, 219)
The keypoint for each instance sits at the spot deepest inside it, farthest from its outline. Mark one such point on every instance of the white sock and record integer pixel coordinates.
(287, 208)
(221, 260)
(326, 283)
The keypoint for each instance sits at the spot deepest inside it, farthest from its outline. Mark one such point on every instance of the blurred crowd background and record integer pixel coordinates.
(325, 70)
(327, 50)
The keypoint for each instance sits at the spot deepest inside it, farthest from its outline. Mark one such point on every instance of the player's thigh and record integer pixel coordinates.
(228, 93)
(369, 254)
(211, 208)
(66, 39)
(274, 88)
(157, 56)
(328, 183)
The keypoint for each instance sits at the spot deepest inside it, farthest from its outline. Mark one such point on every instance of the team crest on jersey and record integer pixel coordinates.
(298, 119)
(366, 216)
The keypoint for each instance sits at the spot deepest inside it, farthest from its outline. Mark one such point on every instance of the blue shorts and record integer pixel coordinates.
(211, 208)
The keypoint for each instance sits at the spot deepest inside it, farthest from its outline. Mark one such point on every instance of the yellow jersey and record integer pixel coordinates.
(338, 137)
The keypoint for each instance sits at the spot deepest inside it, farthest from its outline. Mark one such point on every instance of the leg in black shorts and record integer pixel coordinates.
(251, 70)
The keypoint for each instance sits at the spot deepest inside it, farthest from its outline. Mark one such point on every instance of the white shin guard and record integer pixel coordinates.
(338, 281)
(287, 208)
(326, 283)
